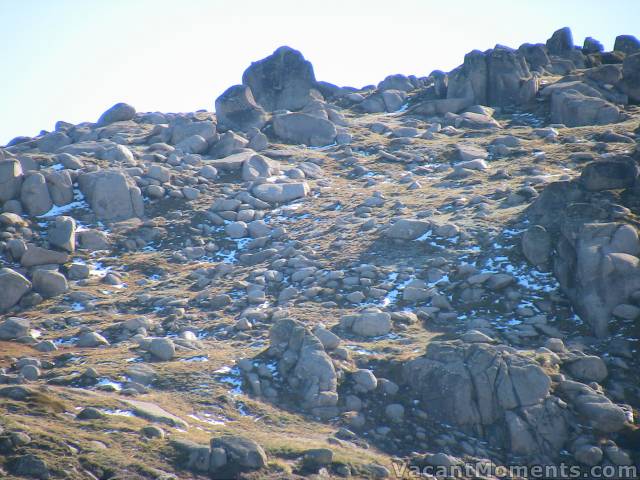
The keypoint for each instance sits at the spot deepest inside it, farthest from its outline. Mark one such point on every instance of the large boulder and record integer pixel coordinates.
(112, 195)
(280, 192)
(62, 233)
(596, 259)
(627, 44)
(259, 166)
(560, 42)
(304, 364)
(236, 109)
(233, 162)
(598, 268)
(120, 112)
(10, 179)
(14, 327)
(497, 77)
(241, 454)
(60, 187)
(383, 101)
(162, 349)
(493, 392)
(575, 109)
(609, 175)
(34, 195)
(372, 323)
(183, 129)
(593, 407)
(537, 245)
(630, 83)
(396, 82)
(408, 229)
(35, 255)
(591, 45)
(49, 283)
(282, 81)
(53, 141)
(304, 128)
(228, 144)
(13, 286)
(536, 56)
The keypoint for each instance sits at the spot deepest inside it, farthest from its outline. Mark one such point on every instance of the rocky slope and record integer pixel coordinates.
(322, 281)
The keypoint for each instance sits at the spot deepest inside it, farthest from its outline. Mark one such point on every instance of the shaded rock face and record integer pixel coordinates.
(303, 363)
(560, 42)
(493, 392)
(536, 56)
(111, 195)
(237, 109)
(591, 45)
(596, 260)
(627, 44)
(497, 77)
(282, 81)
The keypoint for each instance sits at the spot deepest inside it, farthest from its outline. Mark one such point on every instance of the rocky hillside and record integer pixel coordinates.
(331, 282)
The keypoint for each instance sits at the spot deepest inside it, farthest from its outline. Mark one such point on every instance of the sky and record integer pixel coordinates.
(72, 59)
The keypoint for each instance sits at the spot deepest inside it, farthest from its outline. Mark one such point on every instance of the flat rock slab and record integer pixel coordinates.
(232, 162)
(154, 413)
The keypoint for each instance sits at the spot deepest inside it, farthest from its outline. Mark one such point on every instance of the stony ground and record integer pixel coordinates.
(208, 295)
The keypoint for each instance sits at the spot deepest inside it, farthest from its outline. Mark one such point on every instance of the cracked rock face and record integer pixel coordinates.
(493, 391)
(303, 363)
(282, 81)
(595, 259)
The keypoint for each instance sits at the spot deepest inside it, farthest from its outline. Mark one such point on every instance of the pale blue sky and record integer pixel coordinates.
(71, 59)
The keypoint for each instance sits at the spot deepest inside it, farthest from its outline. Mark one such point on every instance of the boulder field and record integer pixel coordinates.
(322, 281)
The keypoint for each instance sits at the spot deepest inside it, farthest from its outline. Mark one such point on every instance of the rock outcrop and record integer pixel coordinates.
(596, 258)
(497, 77)
(304, 364)
(282, 81)
(494, 392)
